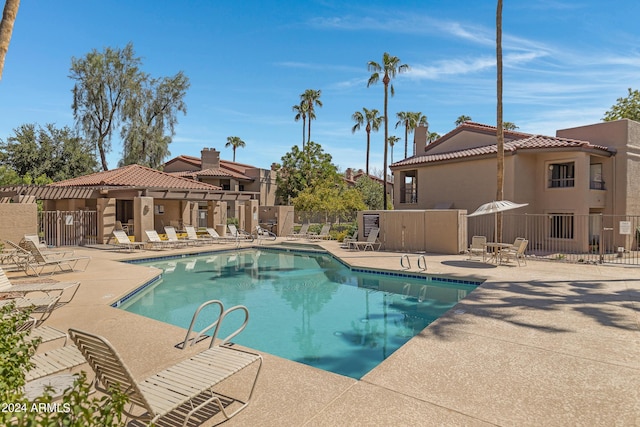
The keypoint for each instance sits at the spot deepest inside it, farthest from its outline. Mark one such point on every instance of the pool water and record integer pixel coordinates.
(306, 307)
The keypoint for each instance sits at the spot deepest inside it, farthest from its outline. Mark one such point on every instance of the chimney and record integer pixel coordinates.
(419, 138)
(210, 158)
(348, 174)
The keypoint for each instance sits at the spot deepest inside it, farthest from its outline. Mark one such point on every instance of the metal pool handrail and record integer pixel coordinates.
(216, 324)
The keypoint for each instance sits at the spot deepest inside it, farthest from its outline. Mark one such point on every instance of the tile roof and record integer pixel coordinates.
(135, 176)
(212, 172)
(532, 142)
(196, 162)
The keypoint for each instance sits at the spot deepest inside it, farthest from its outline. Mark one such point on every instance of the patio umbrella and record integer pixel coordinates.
(495, 207)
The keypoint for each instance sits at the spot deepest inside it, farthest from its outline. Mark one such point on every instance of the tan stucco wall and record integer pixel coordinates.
(432, 231)
(106, 209)
(18, 219)
(143, 217)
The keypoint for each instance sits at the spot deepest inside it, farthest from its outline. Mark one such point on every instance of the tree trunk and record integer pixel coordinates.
(368, 148)
(406, 138)
(386, 142)
(499, 125)
(6, 28)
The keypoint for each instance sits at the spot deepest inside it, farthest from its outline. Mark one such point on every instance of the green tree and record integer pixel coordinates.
(6, 28)
(52, 153)
(410, 120)
(509, 126)
(300, 169)
(301, 113)
(234, 142)
(625, 108)
(329, 195)
(392, 141)
(373, 120)
(461, 119)
(499, 126)
(311, 98)
(389, 67)
(370, 191)
(432, 136)
(150, 116)
(104, 81)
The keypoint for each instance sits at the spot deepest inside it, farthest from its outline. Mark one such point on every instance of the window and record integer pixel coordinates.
(409, 190)
(561, 226)
(595, 177)
(561, 175)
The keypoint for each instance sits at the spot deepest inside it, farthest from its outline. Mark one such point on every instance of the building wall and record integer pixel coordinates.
(18, 219)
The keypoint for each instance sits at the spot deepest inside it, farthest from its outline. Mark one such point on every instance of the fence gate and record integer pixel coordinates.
(68, 228)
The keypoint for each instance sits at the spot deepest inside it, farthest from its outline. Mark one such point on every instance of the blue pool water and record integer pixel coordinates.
(306, 307)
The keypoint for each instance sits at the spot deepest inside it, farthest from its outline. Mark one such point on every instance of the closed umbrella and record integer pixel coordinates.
(495, 207)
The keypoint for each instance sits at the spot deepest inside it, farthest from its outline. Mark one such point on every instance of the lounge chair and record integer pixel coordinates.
(14, 254)
(304, 230)
(51, 289)
(123, 242)
(516, 253)
(42, 306)
(263, 234)
(42, 245)
(40, 261)
(323, 234)
(478, 247)
(346, 243)
(172, 236)
(193, 235)
(371, 242)
(239, 234)
(156, 242)
(218, 238)
(168, 390)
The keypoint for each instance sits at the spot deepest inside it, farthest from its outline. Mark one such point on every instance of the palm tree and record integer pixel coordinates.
(311, 98)
(6, 28)
(432, 136)
(410, 121)
(392, 141)
(373, 120)
(499, 126)
(509, 126)
(390, 66)
(301, 113)
(420, 120)
(235, 142)
(460, 120)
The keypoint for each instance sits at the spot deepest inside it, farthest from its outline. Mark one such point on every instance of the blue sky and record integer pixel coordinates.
(565, 64)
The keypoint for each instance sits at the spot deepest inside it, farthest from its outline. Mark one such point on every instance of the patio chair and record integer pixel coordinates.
(50, 289)
(41, 306)
(123, 242)
(304, 230)
(14, 254)
(478, 247)
(188, 383)
(172, 236)
(323, 234)
(346, 243)
(262, 234)
(41, 261)
(218, 238)
(517, 254)
(193, 235)
(155, 242)
(371, 242)
(239, 234)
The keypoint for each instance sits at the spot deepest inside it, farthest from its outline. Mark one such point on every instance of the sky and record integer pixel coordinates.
(565, 64)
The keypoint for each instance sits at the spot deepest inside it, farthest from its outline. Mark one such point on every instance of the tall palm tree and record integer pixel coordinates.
(311, 97)
(432, 136)
(235, 142)
(410, 121)
(301, 113)
(499, 125)
(6, 28)
(390, 67)
(461, 119)
(420, 120)
(373, 120)
(392, 141)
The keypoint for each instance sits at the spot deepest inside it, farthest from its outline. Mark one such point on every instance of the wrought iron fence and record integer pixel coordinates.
(594, 238)
(68, 228)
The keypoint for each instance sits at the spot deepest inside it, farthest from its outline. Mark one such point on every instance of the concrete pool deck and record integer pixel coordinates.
(543, 344)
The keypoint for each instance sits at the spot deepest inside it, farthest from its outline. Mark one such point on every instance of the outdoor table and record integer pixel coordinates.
(496, 250)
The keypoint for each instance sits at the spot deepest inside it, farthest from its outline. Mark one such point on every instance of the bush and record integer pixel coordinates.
(75, 409)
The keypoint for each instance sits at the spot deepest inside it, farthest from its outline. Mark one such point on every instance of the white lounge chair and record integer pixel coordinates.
(155, 242)
(50, 289)
(218, 238)
(42, 306)
(346, 243)
(172, 236)
(41, 261)
(371, 242)
(123, 241)
(239, 234)
(262, 234)
(194, 236)
(478, 247)
(323, 234)
(304, 230)
(166, 391)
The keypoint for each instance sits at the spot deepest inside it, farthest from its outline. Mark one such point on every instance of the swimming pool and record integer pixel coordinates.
(306, 307)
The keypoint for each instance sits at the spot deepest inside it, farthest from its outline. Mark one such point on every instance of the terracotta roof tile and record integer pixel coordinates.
(135, 176)
(212, 172)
